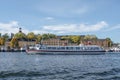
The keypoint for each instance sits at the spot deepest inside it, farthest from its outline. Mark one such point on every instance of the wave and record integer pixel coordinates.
(103, 74)
(25, 73)
(4, 74)
(112, 74)
(113, 71)
(110, 78)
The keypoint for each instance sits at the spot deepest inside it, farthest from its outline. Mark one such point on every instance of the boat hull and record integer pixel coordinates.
(45, 52)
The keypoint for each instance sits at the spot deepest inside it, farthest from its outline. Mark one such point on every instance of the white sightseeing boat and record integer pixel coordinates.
(81, 49)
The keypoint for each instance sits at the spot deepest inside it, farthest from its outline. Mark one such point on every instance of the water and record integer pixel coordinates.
(20, 66)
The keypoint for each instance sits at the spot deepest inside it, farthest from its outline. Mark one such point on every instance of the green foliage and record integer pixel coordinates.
(76, 39)
(5, 36)
(38, 38)
(48, 36)
(90, 37)
(73, 39)
(65, 38)
(31, 36)
(109, 42)
(45, 36)
(51, 35)
(0, 34)
(20, 35)
(14, 43)
(2, 41)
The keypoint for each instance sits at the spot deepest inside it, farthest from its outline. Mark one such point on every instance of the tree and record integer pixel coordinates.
(14, 43)
(90, 37)
(65, 38)
(20, 35)
(109, 42)
(51, 35)
(75, 39)
(48, 36)
(45, 36)
(93, 37)
(38, 38)
(2, 41)
(5, 36)
(0, 34)
(30, 36)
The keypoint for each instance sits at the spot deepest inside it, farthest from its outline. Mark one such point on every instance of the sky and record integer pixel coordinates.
(62, 17)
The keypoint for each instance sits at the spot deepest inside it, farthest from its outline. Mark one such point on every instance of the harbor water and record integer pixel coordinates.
(21, 66)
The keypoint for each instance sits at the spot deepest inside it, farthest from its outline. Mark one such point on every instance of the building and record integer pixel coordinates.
(55, 42)
(100, 42)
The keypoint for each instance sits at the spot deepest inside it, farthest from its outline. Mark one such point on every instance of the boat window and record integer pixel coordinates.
(53, 47)
(77, 48)
(58, 48)
(86, 48)
(48, 47)
(62, 47)
(71, 47)
(81, 48)
(92, 48)
(96, 48)
(67, 47)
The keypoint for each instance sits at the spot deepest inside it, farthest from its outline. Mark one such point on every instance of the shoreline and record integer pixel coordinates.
(12, 50)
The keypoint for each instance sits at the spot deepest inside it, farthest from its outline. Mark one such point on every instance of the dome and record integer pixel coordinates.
(20, 34)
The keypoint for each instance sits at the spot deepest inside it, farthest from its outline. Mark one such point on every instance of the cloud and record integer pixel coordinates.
(113, 28)
(11, 27)
(8, 27)
(62, 8)
(75, 28)
(49, 18)
(40, 31)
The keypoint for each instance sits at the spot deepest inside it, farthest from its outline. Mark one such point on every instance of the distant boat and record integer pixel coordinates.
(114, 49)
(80, 49)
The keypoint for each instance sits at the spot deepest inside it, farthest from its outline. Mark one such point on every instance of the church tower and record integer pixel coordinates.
(20, 30)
